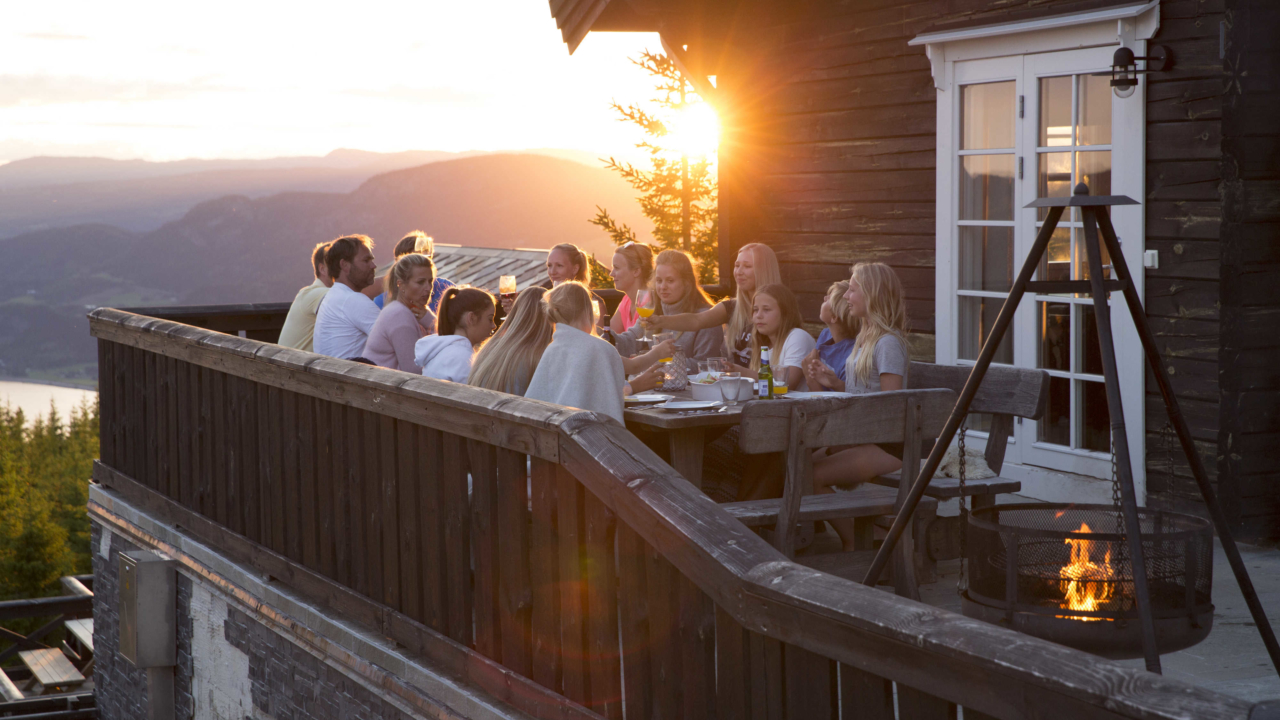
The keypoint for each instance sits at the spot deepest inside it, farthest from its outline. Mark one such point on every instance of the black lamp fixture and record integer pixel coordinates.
(1124, 68)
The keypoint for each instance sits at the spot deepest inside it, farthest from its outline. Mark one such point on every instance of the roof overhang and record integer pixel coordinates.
(576, 18)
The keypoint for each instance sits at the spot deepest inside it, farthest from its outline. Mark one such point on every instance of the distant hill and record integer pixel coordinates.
(48, 192)
(242, 249)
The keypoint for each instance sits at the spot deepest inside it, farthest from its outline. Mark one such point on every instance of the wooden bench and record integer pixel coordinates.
(51, 671)
(8, 691)
(82, 631)
(797, 428)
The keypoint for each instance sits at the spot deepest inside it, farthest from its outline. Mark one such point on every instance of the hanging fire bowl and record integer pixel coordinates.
(1062, 573)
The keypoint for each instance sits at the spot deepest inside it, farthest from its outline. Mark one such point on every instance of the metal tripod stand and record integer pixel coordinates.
(1097, 222)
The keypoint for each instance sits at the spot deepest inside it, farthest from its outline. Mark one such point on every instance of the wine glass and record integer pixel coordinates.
(646, 303)
(507, 287)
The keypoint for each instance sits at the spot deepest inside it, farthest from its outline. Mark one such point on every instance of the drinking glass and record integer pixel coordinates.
(663, 337)
(646, 303)
(704, 368)
(507, 286)
(780, 384)
(730, 387)
(719, 365)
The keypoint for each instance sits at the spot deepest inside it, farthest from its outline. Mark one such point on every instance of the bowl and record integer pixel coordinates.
(703, 390)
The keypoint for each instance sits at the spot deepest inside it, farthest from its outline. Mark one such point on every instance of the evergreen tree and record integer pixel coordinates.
(678, 192)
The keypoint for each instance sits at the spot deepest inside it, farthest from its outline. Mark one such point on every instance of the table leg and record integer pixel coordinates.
(686, 453)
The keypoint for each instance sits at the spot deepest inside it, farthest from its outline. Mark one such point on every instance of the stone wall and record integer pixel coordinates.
(230, 665)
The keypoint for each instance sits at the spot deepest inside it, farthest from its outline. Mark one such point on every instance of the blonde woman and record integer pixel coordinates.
(422, 244)
(506, 362)
(632, 271)
(675, 282)
(579, 369)
(755, 267)
(777, 326)
(879, 362)
(391, 341)
(835, 342)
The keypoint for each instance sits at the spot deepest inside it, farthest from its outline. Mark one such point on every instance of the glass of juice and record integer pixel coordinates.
(646, 303)
(780, 383)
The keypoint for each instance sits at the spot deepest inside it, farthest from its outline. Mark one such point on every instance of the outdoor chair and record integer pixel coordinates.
(796, 429)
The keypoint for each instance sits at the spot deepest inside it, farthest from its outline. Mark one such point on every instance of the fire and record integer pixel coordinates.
(1080, 577)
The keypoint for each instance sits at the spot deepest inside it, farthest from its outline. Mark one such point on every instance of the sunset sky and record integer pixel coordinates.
(246, 78)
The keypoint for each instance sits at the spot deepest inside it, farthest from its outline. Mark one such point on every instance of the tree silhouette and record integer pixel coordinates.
(677, 191)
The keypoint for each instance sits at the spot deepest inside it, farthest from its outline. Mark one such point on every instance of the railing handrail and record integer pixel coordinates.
(935, 650)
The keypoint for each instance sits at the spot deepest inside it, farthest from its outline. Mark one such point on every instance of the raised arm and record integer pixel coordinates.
(639, 363)
(690, 322)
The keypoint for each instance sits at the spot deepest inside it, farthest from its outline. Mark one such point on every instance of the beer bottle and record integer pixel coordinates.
(764, 378)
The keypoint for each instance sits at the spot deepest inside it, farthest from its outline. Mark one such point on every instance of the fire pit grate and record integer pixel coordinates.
(1072, 579)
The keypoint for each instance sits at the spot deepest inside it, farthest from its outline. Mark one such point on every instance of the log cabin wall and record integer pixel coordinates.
(1249, 355)
(830, 160)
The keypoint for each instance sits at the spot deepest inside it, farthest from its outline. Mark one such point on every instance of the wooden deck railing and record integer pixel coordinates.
(580, 577)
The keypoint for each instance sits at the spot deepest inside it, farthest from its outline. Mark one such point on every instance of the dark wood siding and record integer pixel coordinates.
(1249, 373)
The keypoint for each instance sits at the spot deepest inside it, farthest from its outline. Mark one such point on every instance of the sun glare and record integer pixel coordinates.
(695, 130)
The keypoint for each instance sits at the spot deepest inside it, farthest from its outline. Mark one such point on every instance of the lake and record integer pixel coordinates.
(34, 398)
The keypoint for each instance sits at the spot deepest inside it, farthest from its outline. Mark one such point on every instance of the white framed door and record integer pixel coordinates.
(1024, 127)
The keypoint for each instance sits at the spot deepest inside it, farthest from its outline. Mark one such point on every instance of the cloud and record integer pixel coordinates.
(54, 36)
(35, 90)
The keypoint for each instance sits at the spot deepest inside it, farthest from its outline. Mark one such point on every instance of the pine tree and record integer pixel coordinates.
(678, 192)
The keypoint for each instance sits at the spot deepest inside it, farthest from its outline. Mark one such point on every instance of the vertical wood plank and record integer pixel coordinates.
(514, 584)
(913, 703)
(194, 440)
(485, 548)
(162, 428)
(544, 564)
(341, 477)
(410, 525)
(766, 677)
(633, 612)
(389, 513)
(457, 527)
(218, 446)
(272, 431)
(150, 426)
(290, 497)
(371, 482)
(325, 457)
(173, 430)
(430, 479)
(664, 636)
(204, 383)
(732, 668)
(811, 686)
(865, 696)
(697, 648)
(123, 401)
(602, 609)
(106, 404)
(357, 474)
(182, 426)
(307, 486)
(569, 519)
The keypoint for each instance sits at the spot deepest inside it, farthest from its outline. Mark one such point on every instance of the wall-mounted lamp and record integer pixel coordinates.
(1124, 68)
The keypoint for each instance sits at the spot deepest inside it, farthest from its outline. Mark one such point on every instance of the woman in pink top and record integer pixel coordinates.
(632, 271)
(399, 325)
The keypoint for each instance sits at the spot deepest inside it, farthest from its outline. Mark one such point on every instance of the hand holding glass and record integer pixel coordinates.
(646, 303)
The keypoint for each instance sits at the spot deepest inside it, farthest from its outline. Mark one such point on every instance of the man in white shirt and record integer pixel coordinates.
(346, 314)
(300, 324)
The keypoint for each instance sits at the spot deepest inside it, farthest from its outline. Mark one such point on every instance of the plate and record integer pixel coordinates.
(803, 394)
(646, 398)
(690, 404)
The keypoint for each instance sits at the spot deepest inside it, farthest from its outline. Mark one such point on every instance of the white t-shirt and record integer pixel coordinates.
(795, 349)
(344, 322)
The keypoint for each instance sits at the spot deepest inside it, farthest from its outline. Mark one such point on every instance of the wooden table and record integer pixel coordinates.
(686, 435)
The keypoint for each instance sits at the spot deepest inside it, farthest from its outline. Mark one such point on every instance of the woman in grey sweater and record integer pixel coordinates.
(675, 282)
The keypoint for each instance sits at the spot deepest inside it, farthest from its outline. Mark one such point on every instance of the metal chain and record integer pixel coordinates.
(1115, 492)
(963, 584)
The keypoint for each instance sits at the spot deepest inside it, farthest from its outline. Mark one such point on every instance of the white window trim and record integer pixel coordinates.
(1126, 26)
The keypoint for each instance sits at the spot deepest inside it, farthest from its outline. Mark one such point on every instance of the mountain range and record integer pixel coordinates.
(240, 248)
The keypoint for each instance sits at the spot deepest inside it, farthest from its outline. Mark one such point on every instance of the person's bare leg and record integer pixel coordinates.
(850, 467)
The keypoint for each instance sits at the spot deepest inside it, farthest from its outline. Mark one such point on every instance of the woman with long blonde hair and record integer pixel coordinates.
(675, 282)
(507, 360)
(755, 267)
(880, 362)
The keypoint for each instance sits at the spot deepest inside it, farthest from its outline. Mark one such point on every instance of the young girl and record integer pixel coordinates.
(675, 282)
(466, 320)
(397, 329)
(632, 272)
(507, 361)
(776, 316)
(755, 267)
(835, 342)
(879, 362)
(579, 369)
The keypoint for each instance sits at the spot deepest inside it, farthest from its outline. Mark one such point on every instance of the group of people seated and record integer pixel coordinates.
(551, 343)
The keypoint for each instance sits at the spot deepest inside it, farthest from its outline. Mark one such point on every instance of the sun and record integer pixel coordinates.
(694, 130)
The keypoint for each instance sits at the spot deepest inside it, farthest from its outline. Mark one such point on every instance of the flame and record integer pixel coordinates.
(1080, 577)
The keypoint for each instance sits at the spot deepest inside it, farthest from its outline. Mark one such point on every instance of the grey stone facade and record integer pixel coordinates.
(285, 681)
